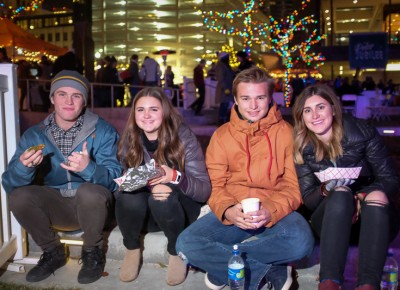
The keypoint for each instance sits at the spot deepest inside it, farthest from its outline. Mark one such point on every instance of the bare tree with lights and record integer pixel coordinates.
(283, 42)
(238, 23)
(278, 36)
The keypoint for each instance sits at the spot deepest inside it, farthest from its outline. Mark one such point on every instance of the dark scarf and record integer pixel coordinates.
(151, 146)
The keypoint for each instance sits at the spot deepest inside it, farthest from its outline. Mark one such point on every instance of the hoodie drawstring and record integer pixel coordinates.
(248, 157)
(270, 155)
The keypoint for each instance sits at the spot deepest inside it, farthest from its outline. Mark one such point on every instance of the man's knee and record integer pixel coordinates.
(89, 193)
(183, 244)
(301, 238)
(20, 198)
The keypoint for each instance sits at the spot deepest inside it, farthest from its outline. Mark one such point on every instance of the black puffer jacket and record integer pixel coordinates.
(362, 147)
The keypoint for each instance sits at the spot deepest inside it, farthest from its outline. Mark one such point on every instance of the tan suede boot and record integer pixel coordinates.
(176, 273)
(130, 265)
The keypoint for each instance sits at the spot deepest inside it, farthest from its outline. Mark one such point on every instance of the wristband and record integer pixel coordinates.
(177, 178)
(174, 175)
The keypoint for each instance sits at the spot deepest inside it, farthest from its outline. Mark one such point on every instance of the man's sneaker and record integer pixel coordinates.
(50, 260)
(93, 261)
(210, 283)
(280, 277)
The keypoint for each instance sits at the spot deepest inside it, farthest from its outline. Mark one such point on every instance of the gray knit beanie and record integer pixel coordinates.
(73, 79)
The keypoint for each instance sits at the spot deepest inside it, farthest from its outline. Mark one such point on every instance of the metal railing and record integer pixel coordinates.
(101, 94)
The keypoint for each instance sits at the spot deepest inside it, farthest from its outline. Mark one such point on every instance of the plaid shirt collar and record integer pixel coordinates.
(65, 139)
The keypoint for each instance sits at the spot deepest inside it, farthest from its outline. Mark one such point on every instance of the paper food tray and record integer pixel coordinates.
(338, 172)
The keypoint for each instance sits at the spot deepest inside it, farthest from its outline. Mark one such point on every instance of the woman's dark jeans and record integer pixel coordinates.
(332, 221)
(138, 212)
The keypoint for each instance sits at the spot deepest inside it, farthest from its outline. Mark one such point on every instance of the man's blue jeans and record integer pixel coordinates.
(207, 244)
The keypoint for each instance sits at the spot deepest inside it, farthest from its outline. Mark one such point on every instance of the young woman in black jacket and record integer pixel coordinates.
(324, 138)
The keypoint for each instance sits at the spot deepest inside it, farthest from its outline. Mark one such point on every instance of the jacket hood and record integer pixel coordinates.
(259, 127)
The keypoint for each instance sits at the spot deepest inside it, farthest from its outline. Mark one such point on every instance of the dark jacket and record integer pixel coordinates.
(362, 147)
(198, 76)
(134, 72)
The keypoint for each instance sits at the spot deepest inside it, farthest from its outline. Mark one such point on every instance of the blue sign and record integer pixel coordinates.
(368, 50)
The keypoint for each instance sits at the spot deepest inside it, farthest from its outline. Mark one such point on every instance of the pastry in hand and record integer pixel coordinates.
(37, 147)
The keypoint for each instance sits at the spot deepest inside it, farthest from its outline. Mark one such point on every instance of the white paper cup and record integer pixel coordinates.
(250, 204)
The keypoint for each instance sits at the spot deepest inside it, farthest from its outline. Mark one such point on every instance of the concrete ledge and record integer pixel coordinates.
(154, 247)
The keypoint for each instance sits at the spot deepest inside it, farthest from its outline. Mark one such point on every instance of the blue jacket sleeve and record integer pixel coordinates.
(104, 166)
(17, 174)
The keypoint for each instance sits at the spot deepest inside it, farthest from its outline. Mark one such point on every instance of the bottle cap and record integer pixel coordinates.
(235, 247)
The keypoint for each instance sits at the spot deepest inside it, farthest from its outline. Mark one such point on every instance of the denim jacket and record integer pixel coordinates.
(103, 167)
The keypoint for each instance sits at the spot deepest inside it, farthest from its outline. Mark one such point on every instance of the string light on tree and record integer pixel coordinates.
(238, 23)
(34, 5)
(281, 41)
(233, 61)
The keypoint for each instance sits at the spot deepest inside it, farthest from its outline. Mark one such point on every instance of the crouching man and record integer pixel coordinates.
(73, 152)
(250, 156)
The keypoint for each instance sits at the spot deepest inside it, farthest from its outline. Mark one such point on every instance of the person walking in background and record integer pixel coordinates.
(61, 178)
(3, 56)
(244, 62)
(169, 77)
(309, 80)
(23, 74)
(225, 76)
(100, 90)
(170, 202)
(67, 61)
(250, 156)
(211, 73)
(134, 80)
(323, 138)
(109, 77)
(45, 74)
(198, 78)
(298, 85)
(150, 72)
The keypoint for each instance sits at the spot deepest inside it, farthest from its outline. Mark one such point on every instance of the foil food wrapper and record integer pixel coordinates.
(138, 177)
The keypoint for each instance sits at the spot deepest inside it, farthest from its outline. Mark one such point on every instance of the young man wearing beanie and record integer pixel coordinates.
(250, 156)
(66, 183)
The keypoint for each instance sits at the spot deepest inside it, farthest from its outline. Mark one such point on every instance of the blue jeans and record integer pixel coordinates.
(207, 244)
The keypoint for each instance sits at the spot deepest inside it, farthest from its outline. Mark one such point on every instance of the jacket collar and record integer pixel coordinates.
(256, 128)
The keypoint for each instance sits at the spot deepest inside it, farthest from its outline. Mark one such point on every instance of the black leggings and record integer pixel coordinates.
(332, 221)
(139, 212)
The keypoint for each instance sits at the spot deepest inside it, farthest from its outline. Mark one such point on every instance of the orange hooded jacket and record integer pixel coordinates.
(253, 160)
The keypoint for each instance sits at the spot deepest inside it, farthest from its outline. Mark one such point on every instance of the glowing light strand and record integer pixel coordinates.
(226, 23)
(14, 12)
(281, 38)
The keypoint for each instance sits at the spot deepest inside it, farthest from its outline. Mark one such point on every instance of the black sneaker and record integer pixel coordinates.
(50, 260)
(93, 261)
(280, 277)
